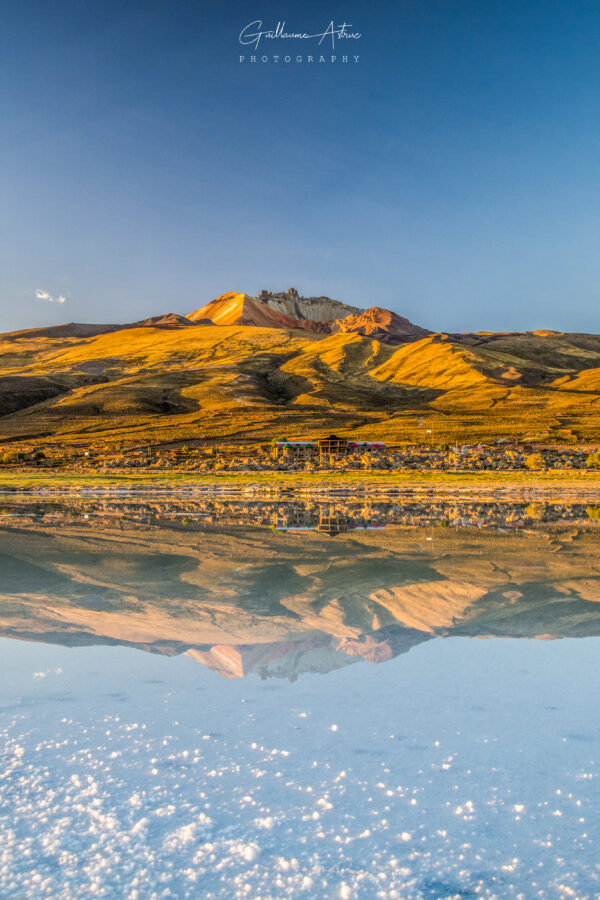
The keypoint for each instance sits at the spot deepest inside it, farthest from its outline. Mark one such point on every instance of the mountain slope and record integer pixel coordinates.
(239, 309)
(258, 374)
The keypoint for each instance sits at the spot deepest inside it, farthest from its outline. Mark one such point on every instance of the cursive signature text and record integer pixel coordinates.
(252, 34)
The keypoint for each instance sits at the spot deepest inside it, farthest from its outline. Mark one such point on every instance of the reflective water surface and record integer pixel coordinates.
(219, 697)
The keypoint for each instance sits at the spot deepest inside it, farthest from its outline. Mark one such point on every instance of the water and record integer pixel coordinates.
(214, 698)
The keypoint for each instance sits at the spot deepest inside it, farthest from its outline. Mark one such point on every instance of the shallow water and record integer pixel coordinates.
(231, 699)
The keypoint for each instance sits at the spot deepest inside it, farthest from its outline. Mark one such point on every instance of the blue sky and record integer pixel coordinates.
(452, 174)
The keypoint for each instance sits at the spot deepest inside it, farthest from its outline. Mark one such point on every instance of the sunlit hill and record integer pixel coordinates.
(254, 368)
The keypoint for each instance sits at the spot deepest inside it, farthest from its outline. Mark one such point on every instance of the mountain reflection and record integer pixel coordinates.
(281, 587)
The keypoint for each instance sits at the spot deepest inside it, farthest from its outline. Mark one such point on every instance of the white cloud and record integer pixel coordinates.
(44, 295)
(47, 672)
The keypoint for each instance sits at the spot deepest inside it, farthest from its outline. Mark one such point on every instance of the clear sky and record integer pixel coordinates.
(452, 175)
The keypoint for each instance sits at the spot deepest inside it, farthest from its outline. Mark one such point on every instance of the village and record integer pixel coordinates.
(332, 453)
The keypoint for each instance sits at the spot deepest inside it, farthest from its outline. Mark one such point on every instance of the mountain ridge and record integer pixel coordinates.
(320, 315)
(240, 368)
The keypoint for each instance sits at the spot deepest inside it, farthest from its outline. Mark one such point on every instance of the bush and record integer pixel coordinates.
(39, 454)
(536, 510)
(593, 460)
(186, 448)
(593, 512)
(11, 456)
(535, 461)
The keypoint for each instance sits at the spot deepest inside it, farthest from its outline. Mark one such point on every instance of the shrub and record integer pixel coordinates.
(536, 510)
(593, 512)
(11, 456)
(186, 448)
(593, 460)
(39, 454)
(535, 461)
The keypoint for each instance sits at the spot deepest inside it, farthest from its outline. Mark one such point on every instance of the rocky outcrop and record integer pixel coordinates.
(317, 653)
(316, 309)
(383, 325)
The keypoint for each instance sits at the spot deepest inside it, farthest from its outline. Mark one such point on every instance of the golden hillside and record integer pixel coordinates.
(171, 379)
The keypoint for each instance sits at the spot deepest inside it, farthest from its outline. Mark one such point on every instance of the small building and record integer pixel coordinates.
(333, 445)
(332, 522)
(338, 446)
(365, 446)
(295, 450)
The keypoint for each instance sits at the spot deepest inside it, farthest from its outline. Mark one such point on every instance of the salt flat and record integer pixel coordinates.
(467, 768)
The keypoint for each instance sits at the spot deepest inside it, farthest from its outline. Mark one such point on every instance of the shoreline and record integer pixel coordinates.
(555, 485)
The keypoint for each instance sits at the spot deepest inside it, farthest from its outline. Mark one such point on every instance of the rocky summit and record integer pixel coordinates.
(281, 310)
(320, 315)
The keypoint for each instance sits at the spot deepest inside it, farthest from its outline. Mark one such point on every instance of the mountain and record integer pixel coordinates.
(241, 309)
(383, 325)
(68, 330)
(268, 310)
(320, 315)
(249, 369)
(168, 320)
(83, 330)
